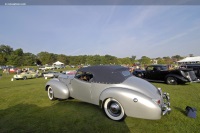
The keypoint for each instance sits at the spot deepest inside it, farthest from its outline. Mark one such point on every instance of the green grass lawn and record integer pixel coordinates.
(25, 107)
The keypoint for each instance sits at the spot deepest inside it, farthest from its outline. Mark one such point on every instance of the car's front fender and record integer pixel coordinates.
(60, 90)
(134, 103)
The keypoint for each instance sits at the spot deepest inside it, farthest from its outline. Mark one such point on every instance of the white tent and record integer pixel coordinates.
(195, 59)
(58, 63)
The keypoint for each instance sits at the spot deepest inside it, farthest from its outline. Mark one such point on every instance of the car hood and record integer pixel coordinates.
(142, 86)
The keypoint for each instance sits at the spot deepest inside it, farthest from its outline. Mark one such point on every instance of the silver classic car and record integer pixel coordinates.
(114, 89)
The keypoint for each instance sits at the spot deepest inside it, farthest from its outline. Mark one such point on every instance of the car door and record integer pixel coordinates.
(155, 73)
(28, 75)
(151, 73)
(81, 89)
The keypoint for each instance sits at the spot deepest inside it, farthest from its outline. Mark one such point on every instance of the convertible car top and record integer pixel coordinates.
(107, 73)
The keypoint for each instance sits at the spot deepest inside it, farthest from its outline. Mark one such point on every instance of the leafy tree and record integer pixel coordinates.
(46, 58)
(126, 60)
(133, 57)
(97, 60)
(108, 59)
(29, 59)
(93, 60)
(145, 60)
(168, 60)
(16, 58)
(2, 59)
(5, 49)
(176, 58)
(38, 62)
(90, 60)
(160, 60)
(5, 52)
(62, 58)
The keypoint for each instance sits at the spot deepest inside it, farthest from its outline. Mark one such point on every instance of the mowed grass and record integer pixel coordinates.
(25, 107)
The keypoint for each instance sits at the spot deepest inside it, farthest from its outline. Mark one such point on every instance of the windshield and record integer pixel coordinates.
(164, 68)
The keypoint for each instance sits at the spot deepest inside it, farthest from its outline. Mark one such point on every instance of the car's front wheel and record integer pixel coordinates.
(171, 81)
(50, 93)
(114, 109)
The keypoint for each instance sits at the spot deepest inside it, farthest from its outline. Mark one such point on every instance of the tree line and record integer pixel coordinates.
(17, 57)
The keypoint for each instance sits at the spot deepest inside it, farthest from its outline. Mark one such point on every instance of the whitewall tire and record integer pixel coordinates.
(113, 109)
(50, 93)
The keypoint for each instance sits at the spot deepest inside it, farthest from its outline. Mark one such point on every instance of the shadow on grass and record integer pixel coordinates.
(180, 110)
(65, 116)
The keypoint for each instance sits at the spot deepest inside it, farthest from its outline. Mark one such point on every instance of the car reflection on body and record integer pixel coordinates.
(114, 89)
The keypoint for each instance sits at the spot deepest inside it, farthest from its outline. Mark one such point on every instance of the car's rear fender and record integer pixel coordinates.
(60, 90)
(134, 103)
(181, 78)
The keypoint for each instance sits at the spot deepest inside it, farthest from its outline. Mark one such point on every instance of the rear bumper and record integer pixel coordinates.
(166, 104)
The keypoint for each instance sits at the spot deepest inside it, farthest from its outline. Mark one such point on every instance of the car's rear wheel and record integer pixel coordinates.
(24, 78)
(50, 93)
(114, 109)
(171, 80)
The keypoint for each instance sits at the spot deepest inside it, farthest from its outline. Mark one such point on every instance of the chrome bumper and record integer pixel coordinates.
(196, 81)
(166, 104)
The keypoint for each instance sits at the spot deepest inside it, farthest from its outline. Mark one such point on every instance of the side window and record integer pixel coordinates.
(78, 74)
(84, 76)
(155, 69)
(158, 68)
(149, 68)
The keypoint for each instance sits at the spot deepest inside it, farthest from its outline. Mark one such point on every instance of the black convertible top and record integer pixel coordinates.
(110, 74)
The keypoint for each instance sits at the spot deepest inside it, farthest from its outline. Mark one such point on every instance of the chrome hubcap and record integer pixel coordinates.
(114, 108)
(171, 80)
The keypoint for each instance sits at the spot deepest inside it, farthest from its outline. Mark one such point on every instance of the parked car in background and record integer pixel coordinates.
(51, 74)
(70, 72)
(72, 66)
(161, 73)
(59, 66)
(114, 89)
(37, 74)
(24, 75)
(12, 69)
(42, 68)
(49, 67)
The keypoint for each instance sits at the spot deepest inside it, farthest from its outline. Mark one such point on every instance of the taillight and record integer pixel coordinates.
(156, 101)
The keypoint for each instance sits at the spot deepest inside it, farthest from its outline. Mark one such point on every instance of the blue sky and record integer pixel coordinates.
(121, 31)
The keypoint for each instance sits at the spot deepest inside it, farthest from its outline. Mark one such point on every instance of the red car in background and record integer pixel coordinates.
(10, 69)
